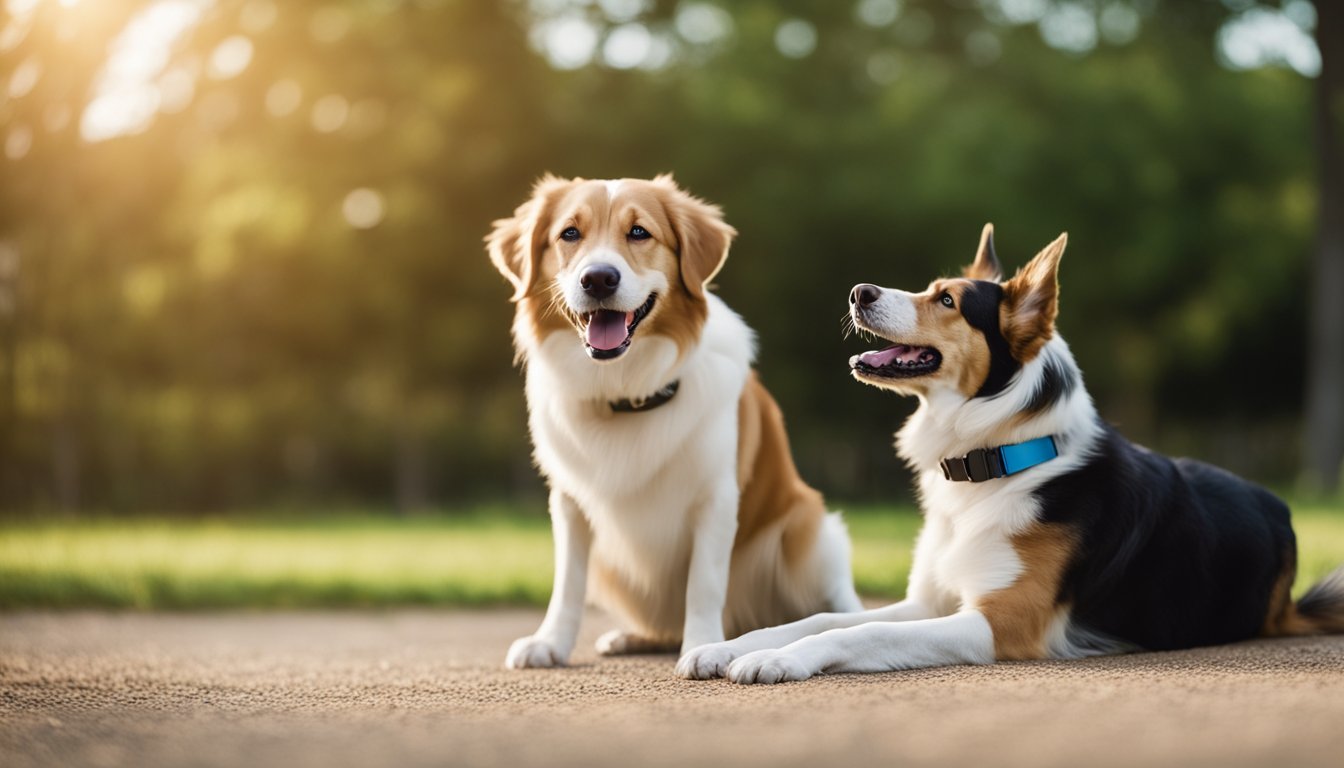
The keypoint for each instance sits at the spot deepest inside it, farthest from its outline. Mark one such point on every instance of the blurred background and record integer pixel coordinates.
(241, 264)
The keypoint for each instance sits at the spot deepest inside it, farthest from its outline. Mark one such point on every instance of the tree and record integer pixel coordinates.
(1324, 433)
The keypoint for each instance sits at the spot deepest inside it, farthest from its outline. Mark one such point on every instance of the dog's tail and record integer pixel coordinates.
(1321, 609)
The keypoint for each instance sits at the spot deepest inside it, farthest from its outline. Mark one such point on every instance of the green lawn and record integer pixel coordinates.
(482, 558)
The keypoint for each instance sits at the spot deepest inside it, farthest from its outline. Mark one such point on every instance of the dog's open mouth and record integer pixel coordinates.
(899, 361)
(607, 332)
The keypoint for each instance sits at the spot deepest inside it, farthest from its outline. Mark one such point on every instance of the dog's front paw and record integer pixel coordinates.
(706, 661)
(533, 652)
(767, 667)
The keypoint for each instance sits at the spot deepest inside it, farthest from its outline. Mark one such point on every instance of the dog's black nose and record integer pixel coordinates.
(600, 280)
(864, 294)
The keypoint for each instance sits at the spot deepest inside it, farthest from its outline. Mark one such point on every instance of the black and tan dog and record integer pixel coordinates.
(1047, 534)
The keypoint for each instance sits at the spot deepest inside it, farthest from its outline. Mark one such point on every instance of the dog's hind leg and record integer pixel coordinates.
(618, 642)
(833, 565)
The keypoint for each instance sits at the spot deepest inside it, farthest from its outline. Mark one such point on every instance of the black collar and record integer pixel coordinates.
(659, 398)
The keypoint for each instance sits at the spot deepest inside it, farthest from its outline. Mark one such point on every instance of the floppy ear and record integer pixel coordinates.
(517, 243)
(702, 235)
(986, 264)
(1031, 301)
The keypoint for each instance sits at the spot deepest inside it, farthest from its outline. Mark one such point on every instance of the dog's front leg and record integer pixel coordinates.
(707, 581)
(962, 638)
(554, 640)
(712, 660)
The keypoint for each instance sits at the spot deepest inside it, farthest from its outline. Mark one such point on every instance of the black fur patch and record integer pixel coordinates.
(1172, 553)
(1057, 382)
(980, 306)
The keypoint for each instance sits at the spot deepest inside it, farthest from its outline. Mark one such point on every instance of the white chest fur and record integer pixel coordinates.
(639, 478)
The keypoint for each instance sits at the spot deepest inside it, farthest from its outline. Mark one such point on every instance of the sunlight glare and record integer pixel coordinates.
(702, 23)
(877, 13)
(796, 38)
(258, 16)
(330, 113)
(24, 78)
(569, 43)
(363, 208)
(283, 97)
(13, 33)
(177, 87)
(230, 57)
(18, 142)
(1071, 28)
(125, 97)
(20, 7)
(627, 46)
(1262, 37)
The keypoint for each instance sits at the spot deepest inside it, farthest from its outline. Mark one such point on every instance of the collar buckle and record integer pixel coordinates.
(976, 467)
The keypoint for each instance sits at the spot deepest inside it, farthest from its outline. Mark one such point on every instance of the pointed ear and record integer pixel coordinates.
(517, 243)
(1031, 301)
(702, 235)
(986, 264)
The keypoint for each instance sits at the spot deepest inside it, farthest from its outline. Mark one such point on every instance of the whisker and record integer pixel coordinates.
(847, 326)
(557, 303)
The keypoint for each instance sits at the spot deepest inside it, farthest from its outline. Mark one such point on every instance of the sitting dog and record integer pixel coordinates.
(1046, 533)
(674, 500)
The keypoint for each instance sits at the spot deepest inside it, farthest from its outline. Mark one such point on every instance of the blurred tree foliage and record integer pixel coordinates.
(271, 288)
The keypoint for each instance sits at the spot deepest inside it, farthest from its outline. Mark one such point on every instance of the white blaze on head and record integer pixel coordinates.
(893, 314)
(612, 186)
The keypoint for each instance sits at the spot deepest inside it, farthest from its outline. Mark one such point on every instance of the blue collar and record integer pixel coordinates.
(990, 463)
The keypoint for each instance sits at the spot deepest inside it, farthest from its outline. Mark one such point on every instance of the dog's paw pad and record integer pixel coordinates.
(706, 661)
(766, 668)
(534, 653)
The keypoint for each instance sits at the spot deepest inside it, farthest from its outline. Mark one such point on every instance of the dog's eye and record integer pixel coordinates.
(947, 301)
(571, 234)
(638, 233)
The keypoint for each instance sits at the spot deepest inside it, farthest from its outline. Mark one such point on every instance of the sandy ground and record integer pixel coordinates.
(426, 688)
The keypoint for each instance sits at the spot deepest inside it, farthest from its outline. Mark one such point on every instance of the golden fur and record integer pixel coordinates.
(1021, 614)
(783, 560)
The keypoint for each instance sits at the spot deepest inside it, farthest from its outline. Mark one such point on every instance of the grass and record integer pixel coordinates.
(483, 558)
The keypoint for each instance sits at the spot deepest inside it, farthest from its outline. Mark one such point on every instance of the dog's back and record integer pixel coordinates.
(1170, 553)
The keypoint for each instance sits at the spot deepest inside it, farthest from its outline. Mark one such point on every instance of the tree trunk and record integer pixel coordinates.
(411, 469)
(1324, 447)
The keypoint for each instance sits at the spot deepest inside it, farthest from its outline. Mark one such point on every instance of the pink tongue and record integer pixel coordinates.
(887, 356)
(607, 329)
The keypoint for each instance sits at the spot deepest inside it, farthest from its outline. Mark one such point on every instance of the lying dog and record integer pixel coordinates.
(674, 499)
(1046, 534)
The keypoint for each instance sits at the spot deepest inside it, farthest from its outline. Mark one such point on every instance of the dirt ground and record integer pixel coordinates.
(411, 688)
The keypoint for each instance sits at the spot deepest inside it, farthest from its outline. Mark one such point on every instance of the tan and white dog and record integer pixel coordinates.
(674, 500)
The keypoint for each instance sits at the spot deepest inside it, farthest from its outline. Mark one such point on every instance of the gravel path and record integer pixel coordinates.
(411, 688)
